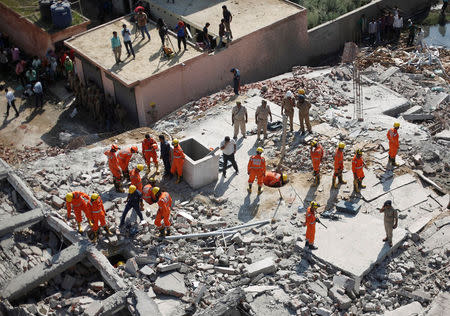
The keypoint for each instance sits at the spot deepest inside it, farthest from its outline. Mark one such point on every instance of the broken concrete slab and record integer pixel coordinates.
(438, 241)
(131, 266)
(107, 271)
(440, 305)
(225, 303)
(414, 110)
(145, 305)
(371, 193)
(406, 196)
(59, 226)
(43, 272)
(388, 73)
(420, 223)
(342, 300)
(23, 190)
(413, 308)
(319, 288)
(226, 270)
(109, 306)
(344, 282)
(348, 207)
(265, 266)
(170, 284)
(445, 135)
(436, 100)
(260, 288)
(436, 186)
(164, 267)
(417, 117)
(21, 221)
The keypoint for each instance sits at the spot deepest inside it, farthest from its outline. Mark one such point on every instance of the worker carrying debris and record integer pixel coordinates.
(310, 223)
(392, 136)
(287, 108)
(97, 210)
(113, 165)
(177, 160)
(256, 168)
(78, 201)
(390, 220)
(303, 111)
(316, 153)
(135, 177)
(124, 157)
(165, 203)
(147, 193)
(338, 165)
(149, 148)
(275, 179)
(261, 118)
(134, 201)
(358, 172)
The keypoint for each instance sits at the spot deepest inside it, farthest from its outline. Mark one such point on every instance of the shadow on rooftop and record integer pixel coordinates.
(188, 7)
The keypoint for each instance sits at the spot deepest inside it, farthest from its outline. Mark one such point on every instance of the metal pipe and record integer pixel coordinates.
(267, 221)
(200, 235)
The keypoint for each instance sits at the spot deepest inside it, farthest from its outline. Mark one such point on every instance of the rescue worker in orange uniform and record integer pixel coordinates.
(149, 148)
(135, 177)
(165, 203)
(338, 165)
(316, 152)
(124, 157)
(97, 211)
(358, 172)
(147, 193)
(256, 168)
(274, 179)
(392, 136)
(78, 201)
(113, 165)
(310, 223)
(177, 160)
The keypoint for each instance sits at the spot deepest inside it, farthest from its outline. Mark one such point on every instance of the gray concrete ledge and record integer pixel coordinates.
(21, 221)
(23, 190)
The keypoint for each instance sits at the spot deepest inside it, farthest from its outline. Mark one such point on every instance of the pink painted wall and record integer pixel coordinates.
(108, 85)
(79, 69)
(265, 53)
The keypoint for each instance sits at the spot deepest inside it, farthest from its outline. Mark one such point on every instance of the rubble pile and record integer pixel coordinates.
(15, 156)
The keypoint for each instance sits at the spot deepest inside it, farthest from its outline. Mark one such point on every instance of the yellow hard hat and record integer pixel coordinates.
(396, 124)
(314, 204)
(284, 177)
(140, 167)
(301, 91)
(94, 196)
(69, 197)
(131, 189)
(155, 190)
(341, 145)
(259, 150)
(313, 143)
(359, 151)
(175, 142)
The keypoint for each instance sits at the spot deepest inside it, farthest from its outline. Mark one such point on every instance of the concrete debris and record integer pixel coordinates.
(131, 267)
(170, 284)
(265, 266)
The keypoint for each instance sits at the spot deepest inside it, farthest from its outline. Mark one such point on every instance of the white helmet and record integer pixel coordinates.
(289, 94)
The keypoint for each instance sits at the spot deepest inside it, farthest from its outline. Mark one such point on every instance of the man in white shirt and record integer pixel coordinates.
(228, 147)
(398, 25)
(38, 94)
(126, 34)
(11, 99)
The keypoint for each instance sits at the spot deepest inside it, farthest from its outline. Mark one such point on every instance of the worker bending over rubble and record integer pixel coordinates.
(177, 160)
(149, 148)
(358, 172)
(78, 201)
(124, 157)
(256, 168)
(134, 201)
(113, 165)
(310, 223)
(392, 136)
(275, 179)
(97, 210)
(316, 153)
(165, 203)
(135, 177)
(147, 193)
(338, 165)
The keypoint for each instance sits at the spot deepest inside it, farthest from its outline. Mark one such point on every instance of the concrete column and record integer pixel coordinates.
(21, 221)
(61, 227)
(107, 271)
(22, 284)
(23, 190)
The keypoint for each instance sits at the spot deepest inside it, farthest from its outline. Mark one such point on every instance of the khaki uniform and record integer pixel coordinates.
(262, 114)
(239, 115)
(303, 115)
(288, 106)
(390, 218)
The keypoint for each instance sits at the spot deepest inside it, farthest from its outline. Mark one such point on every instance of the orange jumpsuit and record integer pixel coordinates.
(338, 162)
(310, 226)
(147, 194)
(79, 203)
(256, 168)
(357, 167)
(135, 179)
(392, 135)
(178, 161)
(164, 203)
(149, 147)
(272, 179)
(316, 157)
(97, 211)
(124, 157)
(113, 164)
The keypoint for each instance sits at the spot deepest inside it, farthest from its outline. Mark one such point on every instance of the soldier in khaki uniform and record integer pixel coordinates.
(287, 108)
(390, 220)
(303, 111)
(261, 115)
(238, 119)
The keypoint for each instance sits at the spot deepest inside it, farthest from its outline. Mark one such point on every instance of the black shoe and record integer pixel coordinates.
(390, 244)
(17, 114)
(237, 171)
(385, 239)
(224, 175)
(312, 247)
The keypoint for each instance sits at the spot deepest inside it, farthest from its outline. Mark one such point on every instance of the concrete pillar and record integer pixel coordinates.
(23, 190)
(21, 221)
(107, 271)
(61, 227)
(22, 284)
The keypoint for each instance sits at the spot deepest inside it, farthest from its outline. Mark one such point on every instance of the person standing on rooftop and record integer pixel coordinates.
(116, 47)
